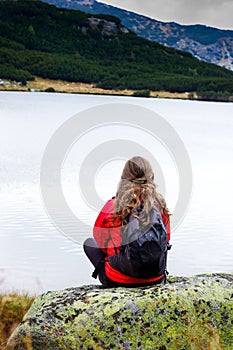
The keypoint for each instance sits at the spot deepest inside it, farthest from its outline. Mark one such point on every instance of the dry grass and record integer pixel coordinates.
(167, 94)
(13, 307)
(84, 88)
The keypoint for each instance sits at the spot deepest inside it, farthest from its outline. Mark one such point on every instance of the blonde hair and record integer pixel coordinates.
(137, 186)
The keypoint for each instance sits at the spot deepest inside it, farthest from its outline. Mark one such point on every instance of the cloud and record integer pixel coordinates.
(216, 13)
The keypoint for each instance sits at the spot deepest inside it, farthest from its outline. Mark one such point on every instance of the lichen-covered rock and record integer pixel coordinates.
(186, 313)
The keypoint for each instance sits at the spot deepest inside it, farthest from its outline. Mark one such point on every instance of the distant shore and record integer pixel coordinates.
(40, 84)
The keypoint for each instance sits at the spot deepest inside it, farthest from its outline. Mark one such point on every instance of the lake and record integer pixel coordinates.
(36, 256)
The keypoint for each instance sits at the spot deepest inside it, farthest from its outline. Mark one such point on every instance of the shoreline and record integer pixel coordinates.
(65, 87)
(13, 306)
(59, 86)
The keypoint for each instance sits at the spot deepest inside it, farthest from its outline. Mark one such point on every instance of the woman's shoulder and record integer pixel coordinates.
(107, 215)
(108, 208)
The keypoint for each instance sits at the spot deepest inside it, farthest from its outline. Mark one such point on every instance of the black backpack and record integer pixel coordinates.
(144, 250)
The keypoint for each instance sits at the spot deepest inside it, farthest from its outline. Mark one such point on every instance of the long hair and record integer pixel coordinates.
(137, 189)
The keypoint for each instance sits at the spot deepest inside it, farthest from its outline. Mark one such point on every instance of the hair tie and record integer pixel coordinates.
(139, 181)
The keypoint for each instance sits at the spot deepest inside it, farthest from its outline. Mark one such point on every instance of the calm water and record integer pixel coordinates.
(36, 257)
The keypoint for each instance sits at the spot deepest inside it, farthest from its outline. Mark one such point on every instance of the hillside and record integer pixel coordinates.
(206, 43)
(37, 39)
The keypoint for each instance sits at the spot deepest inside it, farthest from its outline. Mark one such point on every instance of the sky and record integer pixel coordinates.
(214, 13)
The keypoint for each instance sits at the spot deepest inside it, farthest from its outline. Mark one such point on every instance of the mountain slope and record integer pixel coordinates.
(40, 39)
(206, 43)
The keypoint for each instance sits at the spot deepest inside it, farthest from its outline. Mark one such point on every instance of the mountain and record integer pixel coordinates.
(206, 43)
(38, 39)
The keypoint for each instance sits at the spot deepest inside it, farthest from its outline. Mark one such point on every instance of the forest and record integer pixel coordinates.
(38, 39)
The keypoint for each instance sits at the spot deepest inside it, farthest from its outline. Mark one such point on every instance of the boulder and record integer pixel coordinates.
(185, 313)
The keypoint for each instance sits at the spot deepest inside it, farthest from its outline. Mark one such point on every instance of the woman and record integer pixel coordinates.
(136, 197)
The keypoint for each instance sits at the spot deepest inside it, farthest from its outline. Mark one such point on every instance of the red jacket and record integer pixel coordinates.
(107, 233)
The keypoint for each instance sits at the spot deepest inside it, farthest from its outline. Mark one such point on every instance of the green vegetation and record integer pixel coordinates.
(37, 39)
(50, 89)
(142, 93)
(222, 96)
(12, 309)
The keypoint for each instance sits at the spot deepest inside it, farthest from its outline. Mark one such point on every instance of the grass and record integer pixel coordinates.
(13, 307)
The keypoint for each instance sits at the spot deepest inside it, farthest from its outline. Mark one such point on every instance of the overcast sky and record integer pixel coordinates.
(215, 13)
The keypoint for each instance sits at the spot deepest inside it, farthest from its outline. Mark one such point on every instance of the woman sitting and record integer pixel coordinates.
(136, 201)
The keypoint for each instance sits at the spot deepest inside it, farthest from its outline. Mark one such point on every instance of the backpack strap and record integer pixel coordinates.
(98, 268)
(166, 273)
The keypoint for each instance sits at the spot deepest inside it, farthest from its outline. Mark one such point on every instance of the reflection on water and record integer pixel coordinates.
(36, 257)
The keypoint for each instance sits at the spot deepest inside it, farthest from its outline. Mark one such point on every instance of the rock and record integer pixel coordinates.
(106, 27)
(186, 313)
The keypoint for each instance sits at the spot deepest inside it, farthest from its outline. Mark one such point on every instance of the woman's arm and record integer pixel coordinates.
(103, 230)
(101, 234)
(107, 230)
